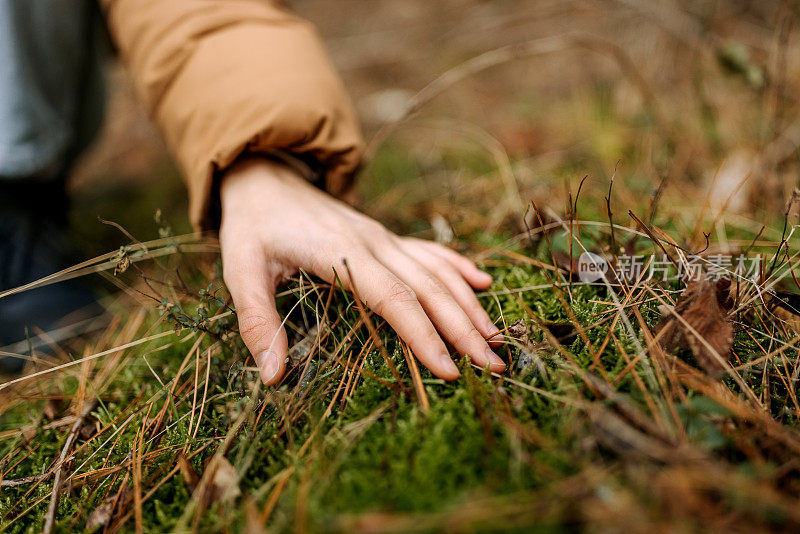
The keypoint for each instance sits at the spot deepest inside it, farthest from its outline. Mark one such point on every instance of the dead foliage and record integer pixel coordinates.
(699, 322)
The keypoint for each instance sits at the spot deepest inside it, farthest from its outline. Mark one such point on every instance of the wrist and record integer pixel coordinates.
(250, 177)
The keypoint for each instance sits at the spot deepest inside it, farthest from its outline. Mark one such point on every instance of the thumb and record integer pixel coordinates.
(262, 331)
(260, 325)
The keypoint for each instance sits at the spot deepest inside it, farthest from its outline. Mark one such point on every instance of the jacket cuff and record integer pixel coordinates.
(224, 78)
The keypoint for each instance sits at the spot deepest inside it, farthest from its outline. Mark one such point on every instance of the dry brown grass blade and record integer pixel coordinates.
(146, 497)
(137, 482)
(205, 393)
(50, 518)
(135, 343)
(373, 332)
(275, 494)
(416, 378)
(107, 261)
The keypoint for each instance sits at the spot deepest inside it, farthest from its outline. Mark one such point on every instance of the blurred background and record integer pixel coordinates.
(685, 94)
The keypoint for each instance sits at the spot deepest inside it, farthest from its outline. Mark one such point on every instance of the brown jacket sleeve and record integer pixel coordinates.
(225, 77)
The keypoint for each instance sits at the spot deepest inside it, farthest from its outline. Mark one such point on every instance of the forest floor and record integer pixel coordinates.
(660, 397)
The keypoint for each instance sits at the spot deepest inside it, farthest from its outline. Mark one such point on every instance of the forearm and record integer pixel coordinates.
(224, 78)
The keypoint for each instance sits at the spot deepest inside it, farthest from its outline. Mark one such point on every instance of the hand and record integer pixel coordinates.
(274, 222)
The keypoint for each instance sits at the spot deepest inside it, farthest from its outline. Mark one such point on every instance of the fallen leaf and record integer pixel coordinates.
(225, 480)
(786, 307)
(88, 430)
(565, 332)
(104, 513)
(303, 347)
(786, 301)
(704, 306)
(517, 329)
(28, 433)
(101, 516)
(53, 408)
(308, 375)
(190, 476)
(570, 265)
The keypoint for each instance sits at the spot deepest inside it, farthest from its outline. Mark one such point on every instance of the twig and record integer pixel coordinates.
(610, 214)
(15, 482)
(137, 480)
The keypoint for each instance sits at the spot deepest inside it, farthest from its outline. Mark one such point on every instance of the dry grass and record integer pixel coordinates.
(602, 424)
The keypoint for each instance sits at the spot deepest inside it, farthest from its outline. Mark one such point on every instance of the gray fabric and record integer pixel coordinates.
(51, 90)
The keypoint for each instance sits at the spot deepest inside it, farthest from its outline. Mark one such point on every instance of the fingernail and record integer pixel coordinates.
(447, 363)
(494, 358)
(267, 361)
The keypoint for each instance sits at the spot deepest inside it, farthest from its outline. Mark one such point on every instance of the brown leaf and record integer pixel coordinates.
(786, 307)
(190, 476)
(104, 513)
(87, 431)
(28, 432)
(517, 329)
(723, 294)
(570, 265)
(703, 306)
(786, 301)
(225, 480)
(53, 408)
(564, 332)
(101, 516)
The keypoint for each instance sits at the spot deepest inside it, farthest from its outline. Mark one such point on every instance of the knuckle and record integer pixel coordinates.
(434, 288)
(239, 268)
(431, 338)
(466, 332)
(372, 233)
(462, 334)
(328, 260)
(439, 265)
(474, 308)
(374, 227)
(396, 294)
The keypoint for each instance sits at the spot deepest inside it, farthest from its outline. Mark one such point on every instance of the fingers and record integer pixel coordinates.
(395, 301)
(457, 286)
(397, 283)
(252, 282)
(468, 270)
(440, 305)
